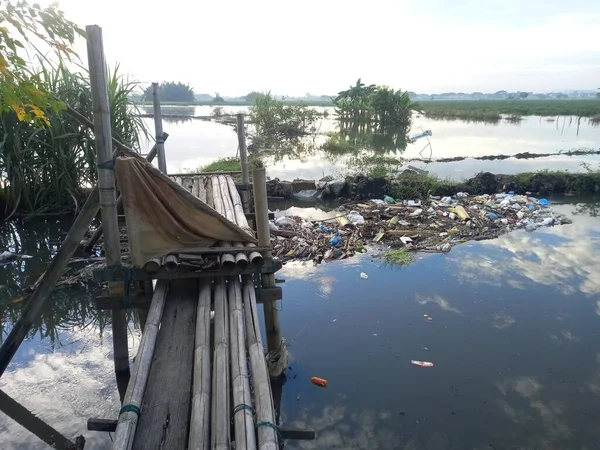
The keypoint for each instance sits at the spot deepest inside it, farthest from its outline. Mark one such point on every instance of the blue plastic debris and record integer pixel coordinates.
(388, 199)
(543, 202)
(493, 215)
(335, 240)
(511, 192)
(531, 207)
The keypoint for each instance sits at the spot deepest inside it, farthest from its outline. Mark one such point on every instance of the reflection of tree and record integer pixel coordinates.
(591, 209)
(72, 306)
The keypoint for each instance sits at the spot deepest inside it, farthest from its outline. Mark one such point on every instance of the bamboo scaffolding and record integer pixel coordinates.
(245, 438)
(265, 414)
(199, 438)
(220, 414)
(202, 189)
(137, 386)
(241, 260)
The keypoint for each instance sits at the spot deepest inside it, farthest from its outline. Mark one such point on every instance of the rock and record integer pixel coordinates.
(337, 187)
(276, 188)
(303, 185)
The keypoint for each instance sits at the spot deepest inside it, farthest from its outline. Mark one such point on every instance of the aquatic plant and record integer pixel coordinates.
(399, 257)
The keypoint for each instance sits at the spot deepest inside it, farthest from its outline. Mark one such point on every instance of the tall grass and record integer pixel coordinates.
(45, 170)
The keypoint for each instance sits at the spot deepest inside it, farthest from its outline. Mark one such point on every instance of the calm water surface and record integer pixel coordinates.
(195, 143)
(514, 340)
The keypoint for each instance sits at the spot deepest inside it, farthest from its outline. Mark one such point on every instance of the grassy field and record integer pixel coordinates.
(490, 110)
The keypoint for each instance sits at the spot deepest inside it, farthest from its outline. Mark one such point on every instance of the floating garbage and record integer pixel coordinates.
(431, 225)
(364, 276)
(421, 363)
(319, 381)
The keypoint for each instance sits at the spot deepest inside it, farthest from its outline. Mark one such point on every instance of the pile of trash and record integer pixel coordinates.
(432, 225)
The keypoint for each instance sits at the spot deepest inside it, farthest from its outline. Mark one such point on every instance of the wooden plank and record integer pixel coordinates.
(193, 174)
(128, 420)
(137, 274)
(164, 422)
(104, 302)
(107, 425)
(221, 404)
(199, 438)
(271, 294)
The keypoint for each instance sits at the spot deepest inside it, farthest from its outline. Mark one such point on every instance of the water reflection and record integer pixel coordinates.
(513, 339)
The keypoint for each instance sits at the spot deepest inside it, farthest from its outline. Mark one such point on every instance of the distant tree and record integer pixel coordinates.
(172, 92)
(218, 98)
(523, 95)
(251, 96)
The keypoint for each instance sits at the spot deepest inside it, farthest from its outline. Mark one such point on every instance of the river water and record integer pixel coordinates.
(194, 143)
(514, 342)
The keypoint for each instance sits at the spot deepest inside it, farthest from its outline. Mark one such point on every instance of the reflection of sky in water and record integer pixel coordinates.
(195, 143)
(513, 339)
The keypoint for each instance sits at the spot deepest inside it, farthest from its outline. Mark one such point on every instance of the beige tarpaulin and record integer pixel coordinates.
(163, 217)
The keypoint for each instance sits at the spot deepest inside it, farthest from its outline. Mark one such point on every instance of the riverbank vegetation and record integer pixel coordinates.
(171, 92)
(47, 159)
(492, 110)
(380, 106)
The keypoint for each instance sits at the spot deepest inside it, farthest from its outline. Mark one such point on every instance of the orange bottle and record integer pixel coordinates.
(319, 381)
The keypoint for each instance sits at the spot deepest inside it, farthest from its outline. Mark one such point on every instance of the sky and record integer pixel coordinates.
(321, 47)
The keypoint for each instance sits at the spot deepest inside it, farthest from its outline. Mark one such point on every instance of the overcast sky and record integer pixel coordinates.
(321, 47)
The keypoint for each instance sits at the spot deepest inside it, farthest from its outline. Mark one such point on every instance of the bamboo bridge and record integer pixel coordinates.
(200, 264)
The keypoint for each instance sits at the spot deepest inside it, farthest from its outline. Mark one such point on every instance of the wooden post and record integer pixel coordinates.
(274, 342)
(37, 426)
(160, 143)
(135, 391)
(108, 194)
(241, 132)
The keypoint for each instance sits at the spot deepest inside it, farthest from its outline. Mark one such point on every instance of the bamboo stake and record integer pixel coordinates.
(245, 438)
(171, 263)
(98, 232)
(199, 438)
(106, 185)
(241, 132)
(160, 144)
(274, 341)
(128, 420)
(220, 417)
(265, 414)
(152, 266)
(37, 426)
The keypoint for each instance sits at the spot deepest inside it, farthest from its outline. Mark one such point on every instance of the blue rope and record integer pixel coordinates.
(268, 424)
(242, 407)
(130, 408)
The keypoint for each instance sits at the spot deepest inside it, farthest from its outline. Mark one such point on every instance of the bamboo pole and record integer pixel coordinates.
(196, 187)
(265, 414)
(274, 341)
(218, 198)
(37, 426)
(98, 232)
(241, 260)
(128, 420)
(152, 265)
(202, 189)
(171, 263)
(256, 259)
(160, 143)
(199, 438)
(220, 417)
(245, 438)
(241, 132)
(106, 185)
